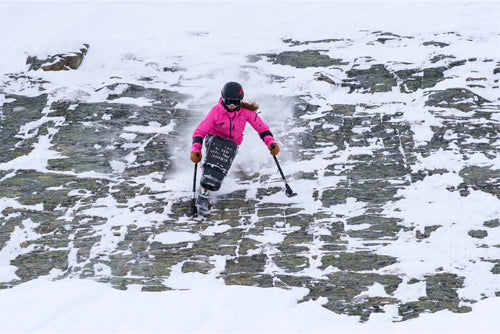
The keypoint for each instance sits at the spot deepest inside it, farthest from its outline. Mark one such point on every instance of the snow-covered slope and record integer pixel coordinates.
(388, 118)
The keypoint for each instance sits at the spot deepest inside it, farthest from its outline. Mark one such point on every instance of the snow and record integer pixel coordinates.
(173, 237)
(81, 306)
(131, 39)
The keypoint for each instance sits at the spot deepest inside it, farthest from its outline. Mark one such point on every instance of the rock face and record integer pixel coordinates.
(59, 62)
(106, 206)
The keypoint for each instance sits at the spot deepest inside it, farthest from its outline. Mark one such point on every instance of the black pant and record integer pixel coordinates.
(218, 159)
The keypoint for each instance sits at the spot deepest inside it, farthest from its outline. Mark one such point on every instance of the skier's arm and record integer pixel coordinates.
(265, 134)
(201, 131)
(262, 129)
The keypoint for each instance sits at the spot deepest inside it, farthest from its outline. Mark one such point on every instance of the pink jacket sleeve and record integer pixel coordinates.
(202, 130)
(262, 129)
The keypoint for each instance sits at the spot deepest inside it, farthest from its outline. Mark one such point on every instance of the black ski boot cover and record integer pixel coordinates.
(219, 157)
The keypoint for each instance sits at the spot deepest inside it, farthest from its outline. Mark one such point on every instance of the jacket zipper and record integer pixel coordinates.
(231, 125)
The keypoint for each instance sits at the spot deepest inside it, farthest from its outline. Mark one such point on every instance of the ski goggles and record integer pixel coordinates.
(232, 102)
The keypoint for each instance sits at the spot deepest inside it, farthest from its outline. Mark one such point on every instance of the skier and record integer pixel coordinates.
(222, 130)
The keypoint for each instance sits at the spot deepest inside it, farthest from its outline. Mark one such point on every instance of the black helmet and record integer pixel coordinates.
(232, 93)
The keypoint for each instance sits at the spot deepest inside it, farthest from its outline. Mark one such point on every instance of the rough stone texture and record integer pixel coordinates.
(373, 80)
(442, 294)
(58, 62)
(19, 111)
(95, 133)
(492, 223)
(110, 154)
(301, 59)
(478, 234)
(456, 98)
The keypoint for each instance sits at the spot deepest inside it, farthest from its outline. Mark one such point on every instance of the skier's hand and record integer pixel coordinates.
(274, 148)
(195, 157)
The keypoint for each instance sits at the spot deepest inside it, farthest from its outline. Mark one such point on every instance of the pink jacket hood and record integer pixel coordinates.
(229, 125)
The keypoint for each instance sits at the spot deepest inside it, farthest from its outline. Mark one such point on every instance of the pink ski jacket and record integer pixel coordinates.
(229, 125)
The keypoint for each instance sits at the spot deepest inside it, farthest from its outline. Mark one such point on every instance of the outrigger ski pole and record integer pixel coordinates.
(192, 206)
(289, 192)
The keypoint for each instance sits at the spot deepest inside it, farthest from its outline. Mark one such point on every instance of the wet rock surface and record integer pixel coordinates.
(59, 62)
(99, 206)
